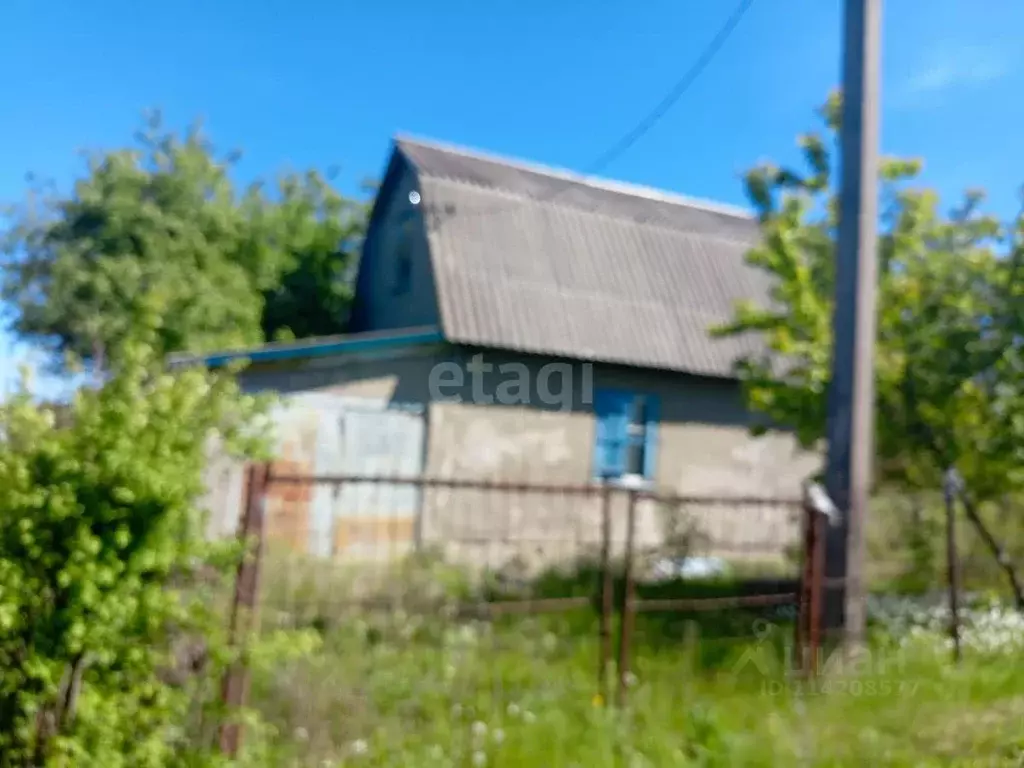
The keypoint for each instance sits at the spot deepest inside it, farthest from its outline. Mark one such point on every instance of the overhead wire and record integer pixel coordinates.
(652, 118)
(675, 93)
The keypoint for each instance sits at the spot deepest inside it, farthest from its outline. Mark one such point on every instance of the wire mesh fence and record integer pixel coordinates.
(908, 538)
(435, 590)
(383, 604)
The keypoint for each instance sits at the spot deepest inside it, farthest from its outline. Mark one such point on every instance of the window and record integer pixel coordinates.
(403, 258)
(626, 435)
(403, 269)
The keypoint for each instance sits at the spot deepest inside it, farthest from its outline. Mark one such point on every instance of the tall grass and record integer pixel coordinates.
(388, 671)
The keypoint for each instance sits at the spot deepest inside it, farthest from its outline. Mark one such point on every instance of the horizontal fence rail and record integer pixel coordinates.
(508, 486)
(445, 589)
(420, 561)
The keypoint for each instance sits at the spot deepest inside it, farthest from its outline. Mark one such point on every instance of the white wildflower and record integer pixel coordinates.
(513, 710)
(359, 747)
(479, 759)
(498, 736)
(479, 731)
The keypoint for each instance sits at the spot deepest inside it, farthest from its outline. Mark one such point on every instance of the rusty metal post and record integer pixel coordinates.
(628, 609)
(607, 590)
(950, 490)
(243, 607)
(803, 593)
(809, 618)
(815, 613)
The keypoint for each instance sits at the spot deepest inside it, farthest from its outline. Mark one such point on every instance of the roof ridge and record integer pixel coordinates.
(565, 174)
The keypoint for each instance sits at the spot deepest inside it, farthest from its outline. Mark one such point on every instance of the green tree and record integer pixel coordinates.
(161, 225)
(317, 234)
(949, 365)
(104, 566)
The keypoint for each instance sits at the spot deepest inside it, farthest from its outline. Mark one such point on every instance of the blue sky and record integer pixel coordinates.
(318, 83)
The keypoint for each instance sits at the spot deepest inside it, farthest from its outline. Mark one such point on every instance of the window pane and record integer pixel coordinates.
(637, 420)
(638, 413)
(635, 458)
(403, 275)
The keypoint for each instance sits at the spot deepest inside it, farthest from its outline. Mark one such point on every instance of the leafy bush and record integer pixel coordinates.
(106, 579)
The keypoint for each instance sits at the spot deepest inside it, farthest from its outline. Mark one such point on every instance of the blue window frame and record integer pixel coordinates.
(626, 436)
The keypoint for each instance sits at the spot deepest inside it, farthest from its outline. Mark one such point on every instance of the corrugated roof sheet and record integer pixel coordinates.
(542, 261)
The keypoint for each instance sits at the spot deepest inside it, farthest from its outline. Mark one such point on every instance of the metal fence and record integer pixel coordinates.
(333, 550)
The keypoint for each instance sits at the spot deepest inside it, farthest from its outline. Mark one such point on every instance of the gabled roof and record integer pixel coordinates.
(543, 261)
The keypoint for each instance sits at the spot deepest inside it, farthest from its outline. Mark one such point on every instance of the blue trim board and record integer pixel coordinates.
(337, 346)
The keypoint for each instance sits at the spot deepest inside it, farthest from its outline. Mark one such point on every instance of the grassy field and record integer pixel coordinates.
(400, 689)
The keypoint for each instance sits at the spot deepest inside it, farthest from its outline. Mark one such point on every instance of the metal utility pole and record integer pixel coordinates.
(952, 486)
(851, 395)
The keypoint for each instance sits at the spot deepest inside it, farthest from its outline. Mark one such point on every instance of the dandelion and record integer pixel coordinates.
(629, 679)
(360, 747)
(598, 700)
(479, 759)
(498, 736)
(479, 729)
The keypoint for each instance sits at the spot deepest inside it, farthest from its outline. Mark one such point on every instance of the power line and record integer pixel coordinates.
(662, 108)
(677, 91)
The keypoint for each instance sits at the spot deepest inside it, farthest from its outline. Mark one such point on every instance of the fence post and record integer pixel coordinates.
(628, 609)
(950, 489)
(244, 604)
(607, 590)
(808, 625)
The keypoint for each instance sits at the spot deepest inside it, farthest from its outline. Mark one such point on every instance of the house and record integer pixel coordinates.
(516, 322)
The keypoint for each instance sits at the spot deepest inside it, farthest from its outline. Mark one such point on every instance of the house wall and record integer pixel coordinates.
(705, 450)
(378, 306)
